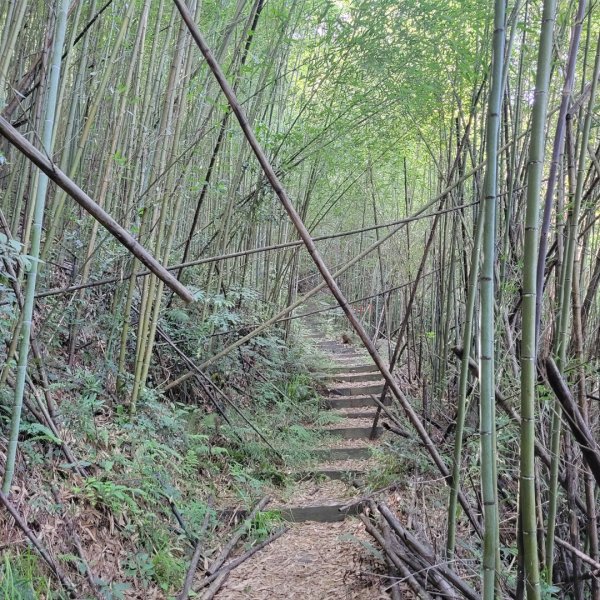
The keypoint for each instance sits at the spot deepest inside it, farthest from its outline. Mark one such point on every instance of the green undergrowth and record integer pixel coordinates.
(22, 578)
(178, 454)
(398, 459)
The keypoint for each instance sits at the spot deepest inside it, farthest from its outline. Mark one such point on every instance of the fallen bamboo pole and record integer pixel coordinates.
(35, 542)
(579, 428)
(191, 572)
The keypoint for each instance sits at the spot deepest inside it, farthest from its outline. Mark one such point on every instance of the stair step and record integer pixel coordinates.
(350, 369)
(333, 454)
(333, 474)
(353, 433)
(344, 354)
(358, 377)
(350, 402)
(357, 414)
(375, 388)
(326, 513)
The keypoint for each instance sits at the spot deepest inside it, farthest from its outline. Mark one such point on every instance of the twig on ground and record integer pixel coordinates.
(189, 578)
(227, 568)
(92, 579)
(242, 529)
(20, 521)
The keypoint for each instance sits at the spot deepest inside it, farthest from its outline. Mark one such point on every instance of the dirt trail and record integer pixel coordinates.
(324, 554)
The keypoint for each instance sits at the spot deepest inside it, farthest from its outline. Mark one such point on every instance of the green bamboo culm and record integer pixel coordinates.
(487, 424)
(563, 319)
(8, 40)
(527, 497)
(461, 410)
(36, 236)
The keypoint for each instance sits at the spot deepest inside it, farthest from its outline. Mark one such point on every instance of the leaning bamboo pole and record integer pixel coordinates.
(557, 152)
(563, 319)
(73, 190)
(312, 249)
(36, 237)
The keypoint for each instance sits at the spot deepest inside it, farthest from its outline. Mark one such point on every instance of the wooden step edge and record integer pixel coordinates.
(322, 513)
(358, 368)
(353, 433)
(350, 402)
(375, 377)
(327, 455)
(359, 414)
(333, 474)
(356, 391)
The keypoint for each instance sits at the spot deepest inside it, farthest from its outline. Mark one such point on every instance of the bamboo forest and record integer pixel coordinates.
(299, 299)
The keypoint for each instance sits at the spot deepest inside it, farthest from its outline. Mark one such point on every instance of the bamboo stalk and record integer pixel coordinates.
(487, 425)
(308, 241)
(73, 190)
(38, 217)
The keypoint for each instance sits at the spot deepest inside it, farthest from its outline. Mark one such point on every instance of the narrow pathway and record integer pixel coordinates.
(322, 556)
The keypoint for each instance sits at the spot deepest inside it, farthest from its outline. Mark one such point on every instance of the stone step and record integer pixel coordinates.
(333, 474)
(344, 353)
(358, 377)
(353, 433)
(351, 453)
(324, 513)
(350, 369)
(375, 388)
(350, 402)
(357, 414)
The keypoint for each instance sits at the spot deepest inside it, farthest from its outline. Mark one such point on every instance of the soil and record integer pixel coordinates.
(311, 561)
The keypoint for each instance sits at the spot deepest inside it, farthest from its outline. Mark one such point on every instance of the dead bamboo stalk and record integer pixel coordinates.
(189, 578)
(22, 524)
(278, 188)
(227, 568)
(583, 436)
(224, 554)
(72, 189)
(427, 554)
(582, 555)
(215, 586)
(412, 582)
(393, 587)
(92, 579)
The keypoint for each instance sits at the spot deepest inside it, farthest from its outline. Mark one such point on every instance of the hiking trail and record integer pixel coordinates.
(322, 556)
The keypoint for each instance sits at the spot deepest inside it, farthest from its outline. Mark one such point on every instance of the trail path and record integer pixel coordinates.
(322, 556)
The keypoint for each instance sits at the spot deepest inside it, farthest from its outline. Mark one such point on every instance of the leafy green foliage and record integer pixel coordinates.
(263, 524)
(22, 577)
(115, 497)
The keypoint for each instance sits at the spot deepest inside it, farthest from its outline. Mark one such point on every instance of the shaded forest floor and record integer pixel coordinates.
(148, 486)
